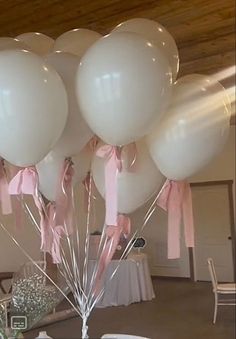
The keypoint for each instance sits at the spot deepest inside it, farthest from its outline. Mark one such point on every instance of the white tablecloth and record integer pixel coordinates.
(131, 283)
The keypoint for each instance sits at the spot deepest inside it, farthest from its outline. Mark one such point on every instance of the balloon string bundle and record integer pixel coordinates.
(87, 292)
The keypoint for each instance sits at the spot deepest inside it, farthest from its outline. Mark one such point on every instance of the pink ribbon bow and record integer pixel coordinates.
(113, 234)
(176, 198)
(5, 198)
(24, 182)
(113, 165)
(64, 198)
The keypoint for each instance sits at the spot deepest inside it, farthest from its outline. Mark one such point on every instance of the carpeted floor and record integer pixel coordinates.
(181, 310)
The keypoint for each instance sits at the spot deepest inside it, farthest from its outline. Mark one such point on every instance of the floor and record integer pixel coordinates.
(181, 310)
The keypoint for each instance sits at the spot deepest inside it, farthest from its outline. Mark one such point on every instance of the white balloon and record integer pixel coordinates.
(156, 34)
(50, 172)
(76, 41)
(194, 129)
(76, 133)
(123, 86)
(11, 43)
(33, 107)
(38, 43)
(51, 167)
(135, 186)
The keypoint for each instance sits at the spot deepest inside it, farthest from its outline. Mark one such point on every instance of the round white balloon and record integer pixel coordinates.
(194, 129)
(50, 172)
(123, 86)
(76, 133)
(7, 43)
(135, 185)
(76, 41)
(38, 43)
(51, 167)
(82, 164)
(33, 107)
(156, 34)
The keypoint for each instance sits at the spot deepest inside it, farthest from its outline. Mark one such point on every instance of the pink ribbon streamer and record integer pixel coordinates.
(47, 225)
(5, 198)
(16, 204)
(51, 233)
(113, 235)
(112, 166)
(58, 232)
(26, 182)
(176, 198)
(64, 198)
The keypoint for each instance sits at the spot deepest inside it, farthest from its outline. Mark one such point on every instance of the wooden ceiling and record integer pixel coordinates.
(203, 29)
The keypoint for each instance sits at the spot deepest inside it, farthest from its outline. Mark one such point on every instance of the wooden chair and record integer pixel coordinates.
(220, 290)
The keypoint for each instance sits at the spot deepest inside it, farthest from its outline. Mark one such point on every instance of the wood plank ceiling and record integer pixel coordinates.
(203, 29)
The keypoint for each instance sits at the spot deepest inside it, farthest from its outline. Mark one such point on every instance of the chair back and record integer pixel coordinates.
(212, 273)
(121, 336)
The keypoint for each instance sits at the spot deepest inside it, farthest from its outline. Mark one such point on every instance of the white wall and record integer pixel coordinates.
(11, 257)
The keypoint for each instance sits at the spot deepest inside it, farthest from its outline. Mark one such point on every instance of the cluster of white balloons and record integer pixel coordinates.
(56, 95)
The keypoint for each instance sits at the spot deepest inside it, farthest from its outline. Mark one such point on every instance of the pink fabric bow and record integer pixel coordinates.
(176, 198)
(113, 234)
(113, 165)
(24, 182)
(5, 198)
(64, 198)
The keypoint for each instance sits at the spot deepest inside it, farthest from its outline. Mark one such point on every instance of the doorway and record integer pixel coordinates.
(214, 229)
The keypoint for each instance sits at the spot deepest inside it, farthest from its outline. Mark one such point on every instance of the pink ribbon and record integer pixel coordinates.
(24, 182)
(16, 204)
(113, 165)
(58, 232)
(93, 143)
(176, 198)
(47, 225)
(113, 235)
(5, 198)
(64, 198)
(50, 233)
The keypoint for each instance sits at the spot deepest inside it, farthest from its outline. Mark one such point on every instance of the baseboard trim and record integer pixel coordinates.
(161, 277)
